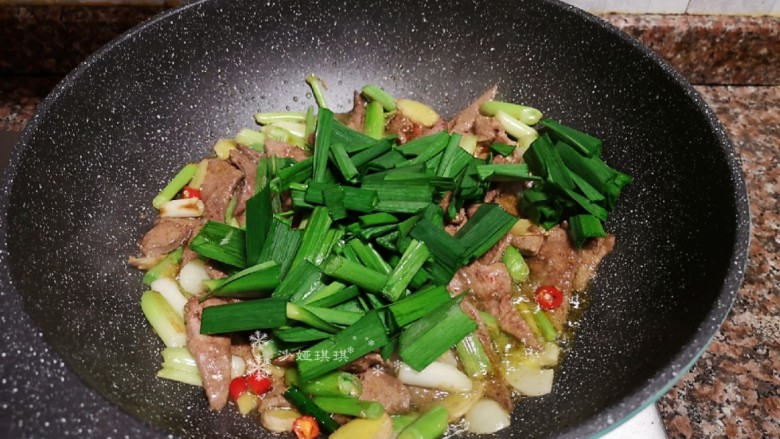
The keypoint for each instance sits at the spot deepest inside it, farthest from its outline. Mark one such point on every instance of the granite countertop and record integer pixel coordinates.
(734, 62)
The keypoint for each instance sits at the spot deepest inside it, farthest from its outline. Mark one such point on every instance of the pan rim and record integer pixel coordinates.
(607, 419)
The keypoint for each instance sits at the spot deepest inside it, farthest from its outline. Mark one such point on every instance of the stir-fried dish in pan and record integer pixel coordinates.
(380, 273)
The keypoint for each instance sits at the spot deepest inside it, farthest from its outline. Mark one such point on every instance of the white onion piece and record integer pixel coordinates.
(192, 275)
(182, 208)
(437, 375)
(237, 367)
(530, 381)
(170, 291)
(487, 416)
(549, 355)
(448, 358)
(278, 420)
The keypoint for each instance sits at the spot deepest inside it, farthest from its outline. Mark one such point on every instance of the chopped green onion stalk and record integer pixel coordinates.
(402, 421)
(165, 322)
(344, 164)
(302, 281)
(297, 129)
(244, 316)
(306, 406)
(484, 230)
(526, 115)
(248, 137)
(317, 87)
(350, 406)
(322, 145)
(337, 383)
(374, 122)
(505, 150)
(527, 313)
(586, 144)
(221, 243)
(300, 334)
(545, 325)
(430, 425)
(515, 264)
(175, 186)
(412, 260)
(514, 127)
(351, 272)
(317, 227)
(473, 357)
(425, 340)
(416, 306)
(584, 227)
(168, 267)
(369, 256)
(191, 378)
(356, 340)
(376, 94)
(271, 117)
(505, 172)
(255, 281)
(304, 315)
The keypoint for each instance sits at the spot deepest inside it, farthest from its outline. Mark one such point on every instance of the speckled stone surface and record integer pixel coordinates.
(723, 50)
(733, 390)
(52, 40)
(720, 50)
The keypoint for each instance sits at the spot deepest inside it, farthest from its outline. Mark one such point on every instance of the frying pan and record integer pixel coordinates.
(77, 194)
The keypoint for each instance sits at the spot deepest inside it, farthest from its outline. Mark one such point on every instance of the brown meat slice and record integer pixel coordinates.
(282, 149)
(211, 352)
(498, 390)
(401, 127)
(560, 264)
(528, 245)
(218, 187)
(380, 386)
(145, 262)
(464, 121)
(245, 160)
(487, 129)
(167, 235)
(491, 287)
(369, 361)
(591, 255)
(439, 126)
(357, 116)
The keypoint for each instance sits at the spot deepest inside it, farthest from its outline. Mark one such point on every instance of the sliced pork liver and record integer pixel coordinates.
(167, 235)
(380, 386)
(463, 123)
(491, 287)
(218, 187)
(212, 353)
(282, 149)
(559, 263)
(245, 160)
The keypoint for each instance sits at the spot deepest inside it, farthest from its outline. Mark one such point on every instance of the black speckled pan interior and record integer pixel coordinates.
(107, 139)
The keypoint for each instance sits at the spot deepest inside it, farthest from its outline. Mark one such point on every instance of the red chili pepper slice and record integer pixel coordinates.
(548, 297)
(259, 383)
(190, 192)
(306, 427)
(237, 387)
